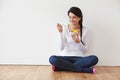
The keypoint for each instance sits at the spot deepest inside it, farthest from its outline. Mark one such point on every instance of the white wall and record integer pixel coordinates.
(28, 33)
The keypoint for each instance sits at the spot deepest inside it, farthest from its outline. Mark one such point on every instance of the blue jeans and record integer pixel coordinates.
(73, 63)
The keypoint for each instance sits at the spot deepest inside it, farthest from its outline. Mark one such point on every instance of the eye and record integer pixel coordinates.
(74, 17)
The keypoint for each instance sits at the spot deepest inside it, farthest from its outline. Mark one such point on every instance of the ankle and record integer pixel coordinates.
(53, 67)
(94, 70)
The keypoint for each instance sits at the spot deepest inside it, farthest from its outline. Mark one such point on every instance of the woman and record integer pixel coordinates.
(74, 43)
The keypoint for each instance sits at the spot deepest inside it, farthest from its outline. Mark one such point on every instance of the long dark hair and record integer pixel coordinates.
(77, 11)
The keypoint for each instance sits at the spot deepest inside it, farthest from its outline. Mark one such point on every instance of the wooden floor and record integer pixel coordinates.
(14, 72)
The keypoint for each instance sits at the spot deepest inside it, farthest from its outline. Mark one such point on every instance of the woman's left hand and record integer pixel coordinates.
(76, 37)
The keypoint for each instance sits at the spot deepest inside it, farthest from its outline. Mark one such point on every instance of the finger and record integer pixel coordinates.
(58, 24)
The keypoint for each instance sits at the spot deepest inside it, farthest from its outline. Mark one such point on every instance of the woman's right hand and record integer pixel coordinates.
(59, 27)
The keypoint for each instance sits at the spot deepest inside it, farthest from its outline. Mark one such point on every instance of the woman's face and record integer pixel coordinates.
(73, 19)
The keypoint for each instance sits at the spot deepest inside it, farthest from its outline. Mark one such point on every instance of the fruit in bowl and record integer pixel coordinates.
(74, 32)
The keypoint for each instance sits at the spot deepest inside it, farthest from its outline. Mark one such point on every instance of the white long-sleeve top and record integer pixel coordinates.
(70, 48)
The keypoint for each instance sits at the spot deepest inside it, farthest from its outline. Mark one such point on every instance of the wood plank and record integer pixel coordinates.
(37, 72)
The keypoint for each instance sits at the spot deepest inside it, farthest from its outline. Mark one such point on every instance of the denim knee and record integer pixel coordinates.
(53, 60)
(94, 58)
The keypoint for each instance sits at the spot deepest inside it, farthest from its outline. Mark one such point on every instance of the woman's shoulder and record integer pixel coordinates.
(85, 28)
